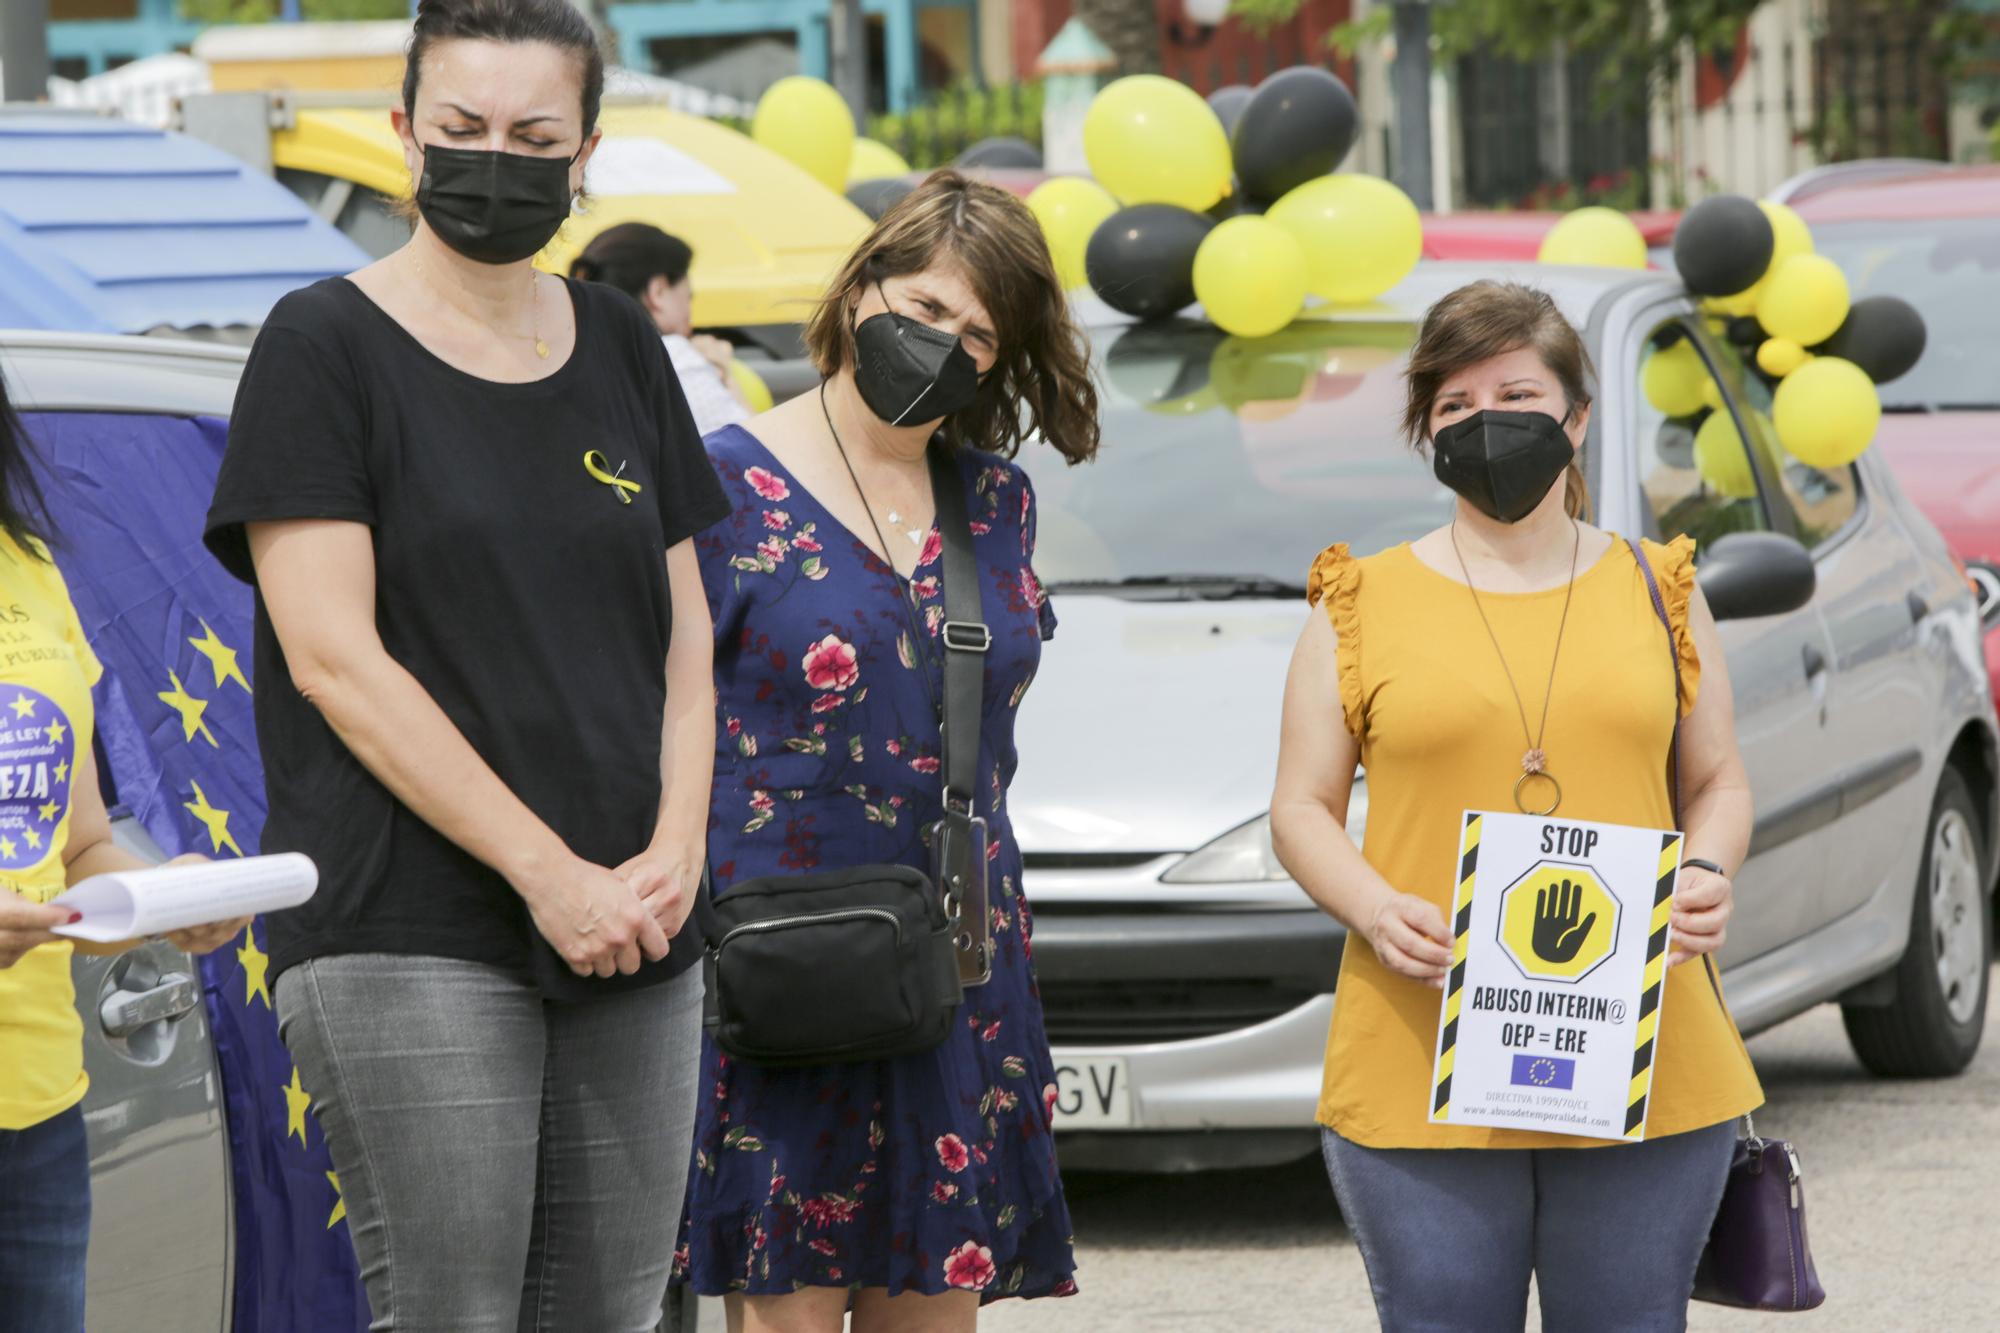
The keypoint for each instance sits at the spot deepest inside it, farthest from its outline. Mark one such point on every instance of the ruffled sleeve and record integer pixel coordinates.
(1673, 566)
(1335, 585)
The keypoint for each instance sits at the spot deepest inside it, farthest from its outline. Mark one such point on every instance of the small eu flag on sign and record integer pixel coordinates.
(1543, 1071)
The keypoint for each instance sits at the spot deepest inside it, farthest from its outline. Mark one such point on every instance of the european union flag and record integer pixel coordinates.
(127, 495)
(1543, 1071)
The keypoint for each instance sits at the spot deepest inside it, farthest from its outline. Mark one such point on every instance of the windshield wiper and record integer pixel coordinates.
(1188, 587)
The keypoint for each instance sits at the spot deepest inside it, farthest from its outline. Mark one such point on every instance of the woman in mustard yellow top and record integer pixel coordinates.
(53, 832)
(1517, 640)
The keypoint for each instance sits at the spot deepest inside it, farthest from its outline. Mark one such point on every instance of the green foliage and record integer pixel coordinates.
(933, 134)
(264, 11)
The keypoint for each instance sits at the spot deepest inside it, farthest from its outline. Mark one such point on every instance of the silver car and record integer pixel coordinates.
(1187, 981)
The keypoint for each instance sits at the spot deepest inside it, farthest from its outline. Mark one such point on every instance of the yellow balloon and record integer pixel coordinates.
(804, 121)
(1711, 393)
(1361, 235)
(755, 391)
(1804, 299)
(1598, 236)
(1732, 307)
(1070, 209)
(1721, 459)
(1789, 233)
(874, 160)
(1781, 356)
(1672, 380)
(1151, 140)
(1250, 277)
(1826, 412)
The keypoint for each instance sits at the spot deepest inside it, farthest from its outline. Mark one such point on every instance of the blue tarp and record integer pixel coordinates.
(111, 227)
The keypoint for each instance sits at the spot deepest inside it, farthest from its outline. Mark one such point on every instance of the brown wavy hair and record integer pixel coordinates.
(1040, 383)
(1487, 319)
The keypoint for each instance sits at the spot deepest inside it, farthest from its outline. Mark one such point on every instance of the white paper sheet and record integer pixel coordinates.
(130, 904)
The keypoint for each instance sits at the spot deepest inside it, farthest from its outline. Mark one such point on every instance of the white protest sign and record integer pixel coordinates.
(1552, 1008)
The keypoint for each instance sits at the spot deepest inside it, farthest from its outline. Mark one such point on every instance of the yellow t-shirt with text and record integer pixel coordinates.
(46, 719)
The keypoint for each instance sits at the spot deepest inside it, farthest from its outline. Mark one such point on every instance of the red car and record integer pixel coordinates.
(1932, 237)
(1517, 235)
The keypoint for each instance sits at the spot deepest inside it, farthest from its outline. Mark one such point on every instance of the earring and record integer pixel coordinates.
(576, 203)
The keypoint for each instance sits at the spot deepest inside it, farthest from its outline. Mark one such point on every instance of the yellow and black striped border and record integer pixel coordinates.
(1454, 992)
(1643, 1040)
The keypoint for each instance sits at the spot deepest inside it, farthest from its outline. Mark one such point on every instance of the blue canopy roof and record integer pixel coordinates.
(111, 227)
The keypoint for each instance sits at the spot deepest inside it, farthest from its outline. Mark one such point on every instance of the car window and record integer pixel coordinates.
(1696, 475)
(1949, 269)
(1227, 458)
(1821, 500)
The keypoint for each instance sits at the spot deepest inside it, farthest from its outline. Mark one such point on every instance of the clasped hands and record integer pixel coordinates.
(605, 922)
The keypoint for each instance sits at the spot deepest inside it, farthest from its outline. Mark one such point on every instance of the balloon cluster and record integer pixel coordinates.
(806, 122)
(1789, 310)
(1231, 202)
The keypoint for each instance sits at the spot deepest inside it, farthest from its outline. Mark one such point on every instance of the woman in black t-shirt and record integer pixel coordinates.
(465, 492)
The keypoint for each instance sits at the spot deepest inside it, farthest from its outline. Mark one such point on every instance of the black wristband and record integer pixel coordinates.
(1697, 863)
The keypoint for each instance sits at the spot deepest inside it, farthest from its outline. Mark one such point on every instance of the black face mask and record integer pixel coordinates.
(1502, 463)
(495, 208)
(909, 372)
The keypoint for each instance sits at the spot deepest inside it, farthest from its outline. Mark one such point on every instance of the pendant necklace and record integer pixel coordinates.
(916, 535)
(1535, 762)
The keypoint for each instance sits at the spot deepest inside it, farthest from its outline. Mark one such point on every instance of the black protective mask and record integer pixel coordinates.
(909, 372)
(495, 208)
(1502, 463)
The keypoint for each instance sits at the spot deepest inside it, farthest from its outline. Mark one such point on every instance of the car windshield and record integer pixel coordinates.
(1229, 463)
(1950, 271)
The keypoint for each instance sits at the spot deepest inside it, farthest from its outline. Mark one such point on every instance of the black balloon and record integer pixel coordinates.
(1001, 152)
(1884, 335)
(1297, 126)
(1723, 245)
(877, 197)
(1228, 104)
(1235, 204)
(1745, 331)
(1140, 260)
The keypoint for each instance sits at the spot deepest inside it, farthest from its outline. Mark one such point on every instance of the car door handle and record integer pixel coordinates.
(124, 1012)
(1920, 607)
(1815, 662)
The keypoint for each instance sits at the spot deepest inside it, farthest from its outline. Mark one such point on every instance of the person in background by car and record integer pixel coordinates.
(651, 267)
(1517, 645)
(465, 493)
(54, 832)
(915, 1187)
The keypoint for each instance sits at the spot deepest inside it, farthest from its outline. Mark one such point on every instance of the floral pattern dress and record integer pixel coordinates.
(927, 1172)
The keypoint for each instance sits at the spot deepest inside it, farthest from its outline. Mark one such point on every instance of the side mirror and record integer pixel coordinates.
(1749, 574)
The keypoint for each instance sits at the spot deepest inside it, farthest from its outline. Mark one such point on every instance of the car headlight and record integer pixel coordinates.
(1244, 854)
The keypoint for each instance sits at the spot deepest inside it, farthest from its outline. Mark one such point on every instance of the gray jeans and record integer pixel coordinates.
(1611, 1234)
(508, 1164)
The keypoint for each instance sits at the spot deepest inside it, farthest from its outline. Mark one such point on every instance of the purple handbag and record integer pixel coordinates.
(1756, 1257)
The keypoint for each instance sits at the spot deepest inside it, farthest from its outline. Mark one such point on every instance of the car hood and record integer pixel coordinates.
(1949, 465)
(1152, 726)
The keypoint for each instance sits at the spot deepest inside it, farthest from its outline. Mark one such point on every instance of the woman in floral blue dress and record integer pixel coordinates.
(915, 1188)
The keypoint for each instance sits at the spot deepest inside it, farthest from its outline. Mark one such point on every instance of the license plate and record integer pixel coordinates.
(1093, 1092)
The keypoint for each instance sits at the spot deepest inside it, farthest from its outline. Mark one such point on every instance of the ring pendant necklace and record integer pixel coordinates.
(1535, 762)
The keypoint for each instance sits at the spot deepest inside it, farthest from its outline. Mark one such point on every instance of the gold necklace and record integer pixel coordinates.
(1535, 762)
(534, 304)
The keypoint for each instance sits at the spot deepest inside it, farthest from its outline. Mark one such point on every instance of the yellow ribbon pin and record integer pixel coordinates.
(597, 465)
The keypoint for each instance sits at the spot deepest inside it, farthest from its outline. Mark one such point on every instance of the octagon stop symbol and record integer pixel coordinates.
(1558, 922)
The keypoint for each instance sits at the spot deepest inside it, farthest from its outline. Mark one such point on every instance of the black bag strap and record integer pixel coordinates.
(965, 635)
(1673, 749)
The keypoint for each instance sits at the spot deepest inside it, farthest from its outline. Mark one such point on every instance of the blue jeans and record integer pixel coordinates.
(44, 1225)
(1612, 1234)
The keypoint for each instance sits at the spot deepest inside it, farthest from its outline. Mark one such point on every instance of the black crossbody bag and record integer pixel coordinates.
(871, 961)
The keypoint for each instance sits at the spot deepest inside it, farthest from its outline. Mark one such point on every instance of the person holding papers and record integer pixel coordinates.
(54, 832)
(465, 491)
(1514, 661)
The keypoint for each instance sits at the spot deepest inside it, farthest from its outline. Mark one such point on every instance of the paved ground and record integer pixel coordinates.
(1903, 1191)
